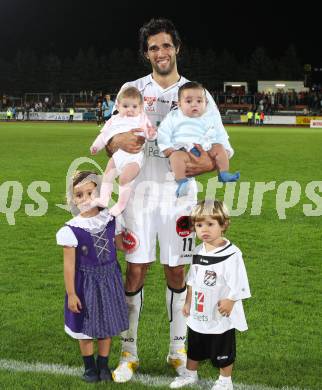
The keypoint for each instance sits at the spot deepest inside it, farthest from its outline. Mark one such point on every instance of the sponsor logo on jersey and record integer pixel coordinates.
(210, 278)
(174, 105)
(203, 260)
(130, 241)
(183, 226)
(149, 103)
(153, 150)
(199, 301)
(186, 255)
(200, 317)
(163, 101)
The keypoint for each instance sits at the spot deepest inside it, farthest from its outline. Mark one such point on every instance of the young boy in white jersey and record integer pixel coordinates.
(192, 124)
(153, 211)
(129, 103)
(217, 284)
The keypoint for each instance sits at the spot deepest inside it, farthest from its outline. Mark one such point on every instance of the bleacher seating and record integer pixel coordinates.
(232, 106)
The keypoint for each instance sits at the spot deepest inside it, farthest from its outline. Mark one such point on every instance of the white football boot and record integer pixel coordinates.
(126, 368)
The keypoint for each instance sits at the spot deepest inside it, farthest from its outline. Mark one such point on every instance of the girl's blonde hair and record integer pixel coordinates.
(215, 209)
(129, 92)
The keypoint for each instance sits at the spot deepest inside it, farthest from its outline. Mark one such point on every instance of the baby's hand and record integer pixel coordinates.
(74, 303)
(151, 132)
(167, 152)
(225, 306)
(93, 149)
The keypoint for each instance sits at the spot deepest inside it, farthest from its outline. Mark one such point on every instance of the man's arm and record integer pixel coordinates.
(129, 142)
(198, 165)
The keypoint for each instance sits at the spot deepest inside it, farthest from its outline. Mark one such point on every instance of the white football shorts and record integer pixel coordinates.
(160, 216)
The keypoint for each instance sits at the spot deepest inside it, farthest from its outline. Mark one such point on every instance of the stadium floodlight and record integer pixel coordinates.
(236, 85)
(280, 85)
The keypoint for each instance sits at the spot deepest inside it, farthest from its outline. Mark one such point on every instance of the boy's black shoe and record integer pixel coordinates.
(90, 375)
(105, 374)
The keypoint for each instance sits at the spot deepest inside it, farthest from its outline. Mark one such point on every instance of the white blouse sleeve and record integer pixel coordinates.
(237, 280)
(66, 237)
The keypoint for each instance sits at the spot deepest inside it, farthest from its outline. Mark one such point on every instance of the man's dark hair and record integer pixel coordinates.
(156, 26)
(190, 85)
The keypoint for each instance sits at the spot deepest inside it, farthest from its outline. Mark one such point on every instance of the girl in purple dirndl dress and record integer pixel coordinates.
(95, 306)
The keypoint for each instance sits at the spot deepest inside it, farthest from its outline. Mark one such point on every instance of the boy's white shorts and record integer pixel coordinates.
(163, 219)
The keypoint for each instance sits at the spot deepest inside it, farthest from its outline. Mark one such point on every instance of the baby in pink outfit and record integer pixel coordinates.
(126, 166)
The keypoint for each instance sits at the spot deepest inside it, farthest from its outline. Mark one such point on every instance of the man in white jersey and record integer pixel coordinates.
(153, 210)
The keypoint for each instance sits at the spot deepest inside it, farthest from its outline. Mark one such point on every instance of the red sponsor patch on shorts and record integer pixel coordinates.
(183, 226)
(130, 241)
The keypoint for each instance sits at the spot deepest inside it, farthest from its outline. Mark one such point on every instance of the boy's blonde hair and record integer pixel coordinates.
(129, 92)
(215, 209)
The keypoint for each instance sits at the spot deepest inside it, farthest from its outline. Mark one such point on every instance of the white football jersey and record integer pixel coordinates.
(157, 103)
(213, 276)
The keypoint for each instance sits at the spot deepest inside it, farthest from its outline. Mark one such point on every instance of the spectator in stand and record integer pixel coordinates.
(257, 118)
(14, 113)
(107, 107)
(27, 108)
(71, 114)
(99, 113)
(46, 101)
(250, 115)
(9, 114)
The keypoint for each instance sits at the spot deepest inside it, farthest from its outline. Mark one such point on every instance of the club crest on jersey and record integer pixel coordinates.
(183, 226)
(130, 241)
(149, 103)
(199, 301)
(210, 278)
(174, 105)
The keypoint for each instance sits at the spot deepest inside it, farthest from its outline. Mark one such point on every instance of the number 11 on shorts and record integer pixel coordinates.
(187, 244)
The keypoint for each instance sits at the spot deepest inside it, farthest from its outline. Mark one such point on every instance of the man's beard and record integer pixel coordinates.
(165, 71)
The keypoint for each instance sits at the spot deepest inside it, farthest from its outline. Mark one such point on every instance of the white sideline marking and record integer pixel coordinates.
(147, 380)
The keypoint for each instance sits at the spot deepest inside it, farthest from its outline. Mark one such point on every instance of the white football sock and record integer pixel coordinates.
(178, 328)
(225, 379)
(129, 337)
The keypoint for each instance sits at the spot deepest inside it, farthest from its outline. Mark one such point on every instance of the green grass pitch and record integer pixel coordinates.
(283, 257)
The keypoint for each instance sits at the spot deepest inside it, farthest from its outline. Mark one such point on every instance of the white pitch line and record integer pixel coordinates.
(144, 379)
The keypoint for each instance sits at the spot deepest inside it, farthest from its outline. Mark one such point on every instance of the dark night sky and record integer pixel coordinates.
(62, 27)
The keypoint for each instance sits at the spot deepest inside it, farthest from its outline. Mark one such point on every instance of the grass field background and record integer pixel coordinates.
(283, 258)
